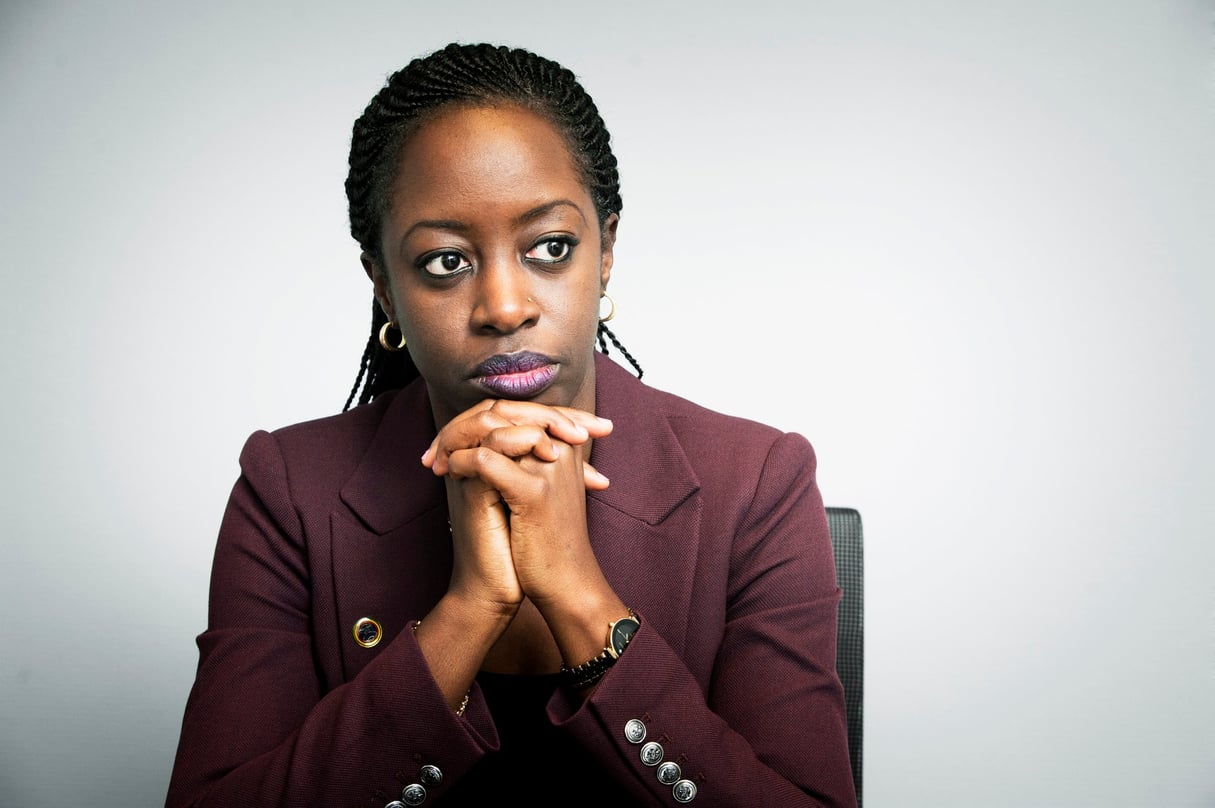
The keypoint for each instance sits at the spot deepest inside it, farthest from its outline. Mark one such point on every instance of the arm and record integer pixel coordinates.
(258, 728)
(515, 485)
(771, 730)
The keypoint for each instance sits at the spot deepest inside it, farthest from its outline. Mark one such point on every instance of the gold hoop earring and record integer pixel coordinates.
(611, 310)
(384, 343)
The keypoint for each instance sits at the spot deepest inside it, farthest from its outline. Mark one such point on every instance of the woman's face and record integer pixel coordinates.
(494, 261)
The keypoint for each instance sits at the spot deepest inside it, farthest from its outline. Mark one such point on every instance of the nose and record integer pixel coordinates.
(504, 300)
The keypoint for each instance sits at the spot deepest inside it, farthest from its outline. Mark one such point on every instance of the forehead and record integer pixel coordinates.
(486, 157)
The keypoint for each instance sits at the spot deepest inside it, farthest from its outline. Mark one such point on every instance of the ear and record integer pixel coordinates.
(379, 280)
(607, 245)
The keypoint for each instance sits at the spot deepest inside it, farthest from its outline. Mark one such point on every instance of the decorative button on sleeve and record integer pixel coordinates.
(413, 794)
(668, 773)
(684, 791)
(431, 776)
(634, 731)
(651, 753)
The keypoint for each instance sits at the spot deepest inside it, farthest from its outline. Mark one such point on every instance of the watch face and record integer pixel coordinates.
(622, 632)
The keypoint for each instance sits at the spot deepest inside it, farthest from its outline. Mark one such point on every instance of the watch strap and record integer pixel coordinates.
(588, 673)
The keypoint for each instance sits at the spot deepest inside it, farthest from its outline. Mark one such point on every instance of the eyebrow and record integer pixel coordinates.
(541, 210)
(525, 217)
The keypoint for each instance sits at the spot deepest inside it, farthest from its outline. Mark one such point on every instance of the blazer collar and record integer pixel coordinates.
(642, 457)
(390, 487)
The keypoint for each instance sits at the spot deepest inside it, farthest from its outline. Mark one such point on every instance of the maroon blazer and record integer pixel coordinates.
(713, 531)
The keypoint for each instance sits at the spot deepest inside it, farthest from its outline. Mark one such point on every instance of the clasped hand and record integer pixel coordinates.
(517, 476)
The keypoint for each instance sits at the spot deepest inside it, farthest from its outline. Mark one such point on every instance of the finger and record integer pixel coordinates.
(593, 479)
(511, 480)
(527, 484)
(595, 425)
(517, 441)
(431, 453)
(468, 429)
(569, 424)
(465, 431)
(555, 420)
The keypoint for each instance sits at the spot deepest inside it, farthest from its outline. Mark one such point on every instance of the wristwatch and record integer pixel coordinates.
(620, 634)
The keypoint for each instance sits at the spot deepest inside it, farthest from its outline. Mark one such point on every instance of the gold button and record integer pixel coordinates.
(367, 632)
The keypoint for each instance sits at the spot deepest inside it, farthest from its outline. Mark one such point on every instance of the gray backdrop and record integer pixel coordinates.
(966, 248)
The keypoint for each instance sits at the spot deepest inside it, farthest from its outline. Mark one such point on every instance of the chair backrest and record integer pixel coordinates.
(847, 541)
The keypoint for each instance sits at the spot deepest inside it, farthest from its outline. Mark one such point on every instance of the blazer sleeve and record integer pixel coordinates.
(258, 729)
(771, 730)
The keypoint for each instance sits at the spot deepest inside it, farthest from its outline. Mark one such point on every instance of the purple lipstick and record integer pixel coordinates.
(518, 375)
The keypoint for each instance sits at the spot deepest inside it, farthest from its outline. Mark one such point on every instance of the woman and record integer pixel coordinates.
(523, 566)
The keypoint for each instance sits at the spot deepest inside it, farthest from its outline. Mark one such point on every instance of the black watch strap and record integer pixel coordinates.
(620, 634)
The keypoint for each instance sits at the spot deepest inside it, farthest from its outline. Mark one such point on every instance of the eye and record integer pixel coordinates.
(552, 250)
(443, 264)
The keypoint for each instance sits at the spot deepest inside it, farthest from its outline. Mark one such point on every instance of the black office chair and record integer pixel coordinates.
(847, 541)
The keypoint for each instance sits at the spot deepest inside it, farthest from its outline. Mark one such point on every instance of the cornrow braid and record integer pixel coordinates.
(604, 335)
(474, 75)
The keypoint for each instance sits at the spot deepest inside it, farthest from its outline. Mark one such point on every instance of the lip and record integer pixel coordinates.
(518, 375)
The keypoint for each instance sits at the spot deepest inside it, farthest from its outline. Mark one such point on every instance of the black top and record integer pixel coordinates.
(536, 763)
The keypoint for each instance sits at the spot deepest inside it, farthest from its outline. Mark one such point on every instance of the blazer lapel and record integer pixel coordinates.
(392, 553)
(644, 526)
(391, 487)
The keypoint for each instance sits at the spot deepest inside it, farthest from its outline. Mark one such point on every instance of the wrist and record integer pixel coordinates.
(579, 623)
(620, 634)
(477, 613)
(454, 638)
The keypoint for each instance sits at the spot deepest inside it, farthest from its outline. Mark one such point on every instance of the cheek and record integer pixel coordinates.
(583, 302)
(427, 329)
(576, 309)
(411, 301)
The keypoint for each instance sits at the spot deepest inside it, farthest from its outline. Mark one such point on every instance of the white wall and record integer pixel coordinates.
(965, 247)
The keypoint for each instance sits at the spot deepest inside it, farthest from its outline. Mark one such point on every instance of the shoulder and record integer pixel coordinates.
(325, 452)
(348, 432)
(709, 439)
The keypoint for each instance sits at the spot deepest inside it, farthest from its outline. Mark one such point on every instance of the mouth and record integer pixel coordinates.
(518, 375)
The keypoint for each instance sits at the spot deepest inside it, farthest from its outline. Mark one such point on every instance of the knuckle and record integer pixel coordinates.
(501, 410)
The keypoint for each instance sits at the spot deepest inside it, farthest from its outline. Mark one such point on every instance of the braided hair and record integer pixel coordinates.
(471, 75)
